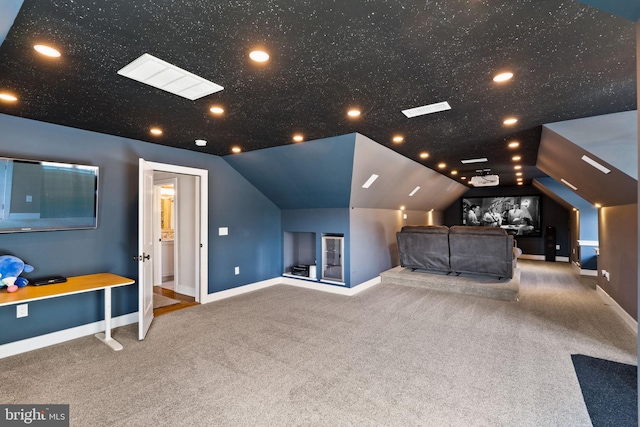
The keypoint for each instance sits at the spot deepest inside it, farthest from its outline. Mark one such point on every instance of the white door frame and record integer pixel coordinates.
(202, 287)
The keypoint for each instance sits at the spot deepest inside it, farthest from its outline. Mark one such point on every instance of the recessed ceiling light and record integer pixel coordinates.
(201, 142)
(478, 160)
(7, 97)
(47, 50)
(426, 109)
(424, 155)
(259, 56)
(398, 139)
(401, 208)
(520, 183)
(298, 137)
(568, 184)
(353, 112)
(516, 158)
(595, 164)
(510, 121)
(442, 165)
(155, 131)
(518, 173)
(415, 190)
(514, 144)
(463, 178)
(502, 77)
(236, 149)
(516, 167)
(160, 74)
(454, 172)
(216, 109)
(370, 181)
(597, 205)
(519, 179)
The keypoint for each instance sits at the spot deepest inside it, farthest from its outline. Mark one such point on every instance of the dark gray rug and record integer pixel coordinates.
(609, 390)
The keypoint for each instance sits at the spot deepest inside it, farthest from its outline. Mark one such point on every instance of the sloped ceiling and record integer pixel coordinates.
(610, 140)
(330, 172)
(569, 61)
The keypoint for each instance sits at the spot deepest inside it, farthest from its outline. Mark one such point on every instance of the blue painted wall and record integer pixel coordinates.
(253, 243)
(588, 219)
(319, 221)
(289, 175)
(8, 11)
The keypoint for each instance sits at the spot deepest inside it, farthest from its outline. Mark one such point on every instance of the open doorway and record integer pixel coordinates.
(189, 219)
(176, 241)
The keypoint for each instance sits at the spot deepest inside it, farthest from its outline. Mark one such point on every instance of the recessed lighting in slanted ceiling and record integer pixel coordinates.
(7, 97)
(595, 164)
(514, 144)
(478, 160)
(298, 137)
(155, 131)
(236, 149)
(162, 75)
(424, 155)
(370, 181)
(427, 109)
(442, 165)
(415, 190)
(216, 109)
(568, 184)
(201, 142)
(353, 113)
(259, 56)
(503, 77)
(510, 121)
(398, 139)
(47, 51)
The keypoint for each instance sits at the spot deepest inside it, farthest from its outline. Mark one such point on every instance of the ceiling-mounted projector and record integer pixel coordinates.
(485, 180)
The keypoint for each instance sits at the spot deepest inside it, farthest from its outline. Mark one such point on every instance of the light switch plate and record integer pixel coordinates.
(223, 231)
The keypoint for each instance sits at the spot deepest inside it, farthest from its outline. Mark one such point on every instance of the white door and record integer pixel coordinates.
(145, 248)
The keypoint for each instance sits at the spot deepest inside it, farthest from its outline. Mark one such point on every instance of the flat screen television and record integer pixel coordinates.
(518, 215)
(45, 196)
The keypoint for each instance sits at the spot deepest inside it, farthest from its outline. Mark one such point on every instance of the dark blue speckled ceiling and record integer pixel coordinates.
(570, 61)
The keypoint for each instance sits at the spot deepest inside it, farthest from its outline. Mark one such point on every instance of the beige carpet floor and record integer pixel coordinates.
(392, 355)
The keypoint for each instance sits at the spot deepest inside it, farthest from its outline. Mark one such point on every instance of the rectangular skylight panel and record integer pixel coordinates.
(163, 75)
(181, 84)
(568, 184)
(479, 160)
(200, 90)
(370, 181)
(595, 164)
(427, 109)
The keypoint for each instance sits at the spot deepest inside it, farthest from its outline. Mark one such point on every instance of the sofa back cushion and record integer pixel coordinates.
(482, 250)
(424, 247)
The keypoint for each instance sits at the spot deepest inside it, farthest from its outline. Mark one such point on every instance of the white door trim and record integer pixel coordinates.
(203, 261)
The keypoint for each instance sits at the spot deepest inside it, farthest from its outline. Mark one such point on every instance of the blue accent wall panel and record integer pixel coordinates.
(254, 241)
(312, 174)
(8, 11)
(319, 221)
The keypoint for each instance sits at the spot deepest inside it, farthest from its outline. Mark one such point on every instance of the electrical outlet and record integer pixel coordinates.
(22, 310)
(557, 247)
(237, 270)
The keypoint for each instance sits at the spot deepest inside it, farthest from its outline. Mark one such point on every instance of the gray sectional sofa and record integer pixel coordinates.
(459, 249)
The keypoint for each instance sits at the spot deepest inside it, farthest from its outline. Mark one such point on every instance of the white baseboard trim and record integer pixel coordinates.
(301, 283)
(34, 343)
(630, 321)
(217, 296)
(584, 272)
(543, 258)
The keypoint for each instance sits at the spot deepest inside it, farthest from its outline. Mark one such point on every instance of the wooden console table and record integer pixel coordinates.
(74, 285)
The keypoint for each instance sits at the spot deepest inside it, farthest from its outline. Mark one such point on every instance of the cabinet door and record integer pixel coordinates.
(332, 250)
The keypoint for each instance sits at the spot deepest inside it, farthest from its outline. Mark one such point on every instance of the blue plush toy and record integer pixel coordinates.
(10, 268)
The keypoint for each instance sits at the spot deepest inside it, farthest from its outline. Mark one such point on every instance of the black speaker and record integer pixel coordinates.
(550, 244)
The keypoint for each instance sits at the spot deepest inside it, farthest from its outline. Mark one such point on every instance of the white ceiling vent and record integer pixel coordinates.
(427, 109)
(158, 73)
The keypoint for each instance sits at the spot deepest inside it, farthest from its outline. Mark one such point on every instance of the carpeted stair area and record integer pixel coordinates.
(467, 284)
